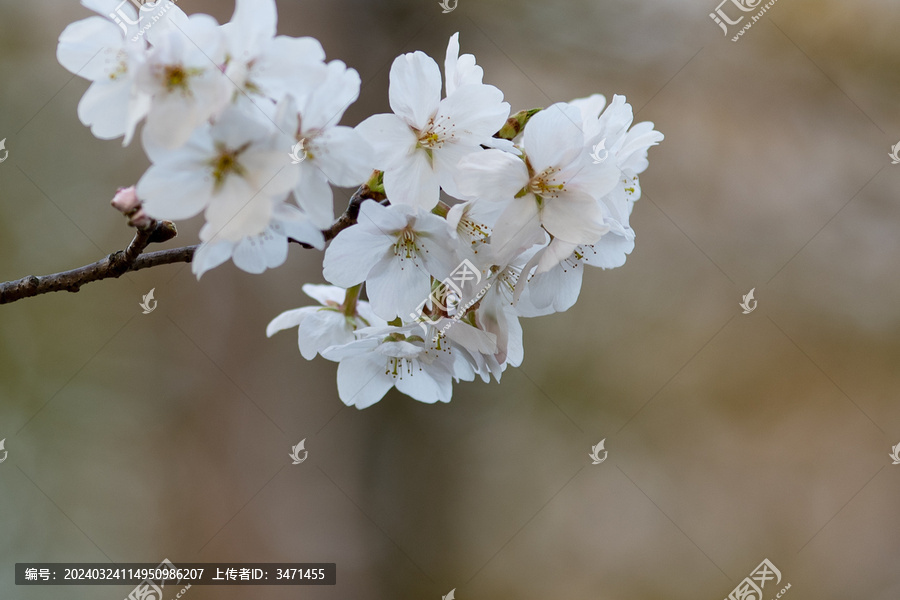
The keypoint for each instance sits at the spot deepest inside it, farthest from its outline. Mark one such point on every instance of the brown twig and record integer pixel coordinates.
(350, 215)
(133, 259)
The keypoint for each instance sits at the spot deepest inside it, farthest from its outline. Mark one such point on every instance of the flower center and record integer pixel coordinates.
(477, 232)
(509, 278)
(121, 68)
(226, 162)
(435, 134)
(406, 246)
(178, 77)
(430, 139)
(546, 184)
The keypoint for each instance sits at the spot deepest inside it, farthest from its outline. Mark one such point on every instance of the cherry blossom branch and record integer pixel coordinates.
(132, 258)
(113, 266)
(372, 190)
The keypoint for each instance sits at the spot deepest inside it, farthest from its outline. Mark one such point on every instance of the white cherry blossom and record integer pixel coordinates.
(182, 75)
(265, 67)
(332, 154)
(387, 357)
(230, 108)
(256, 253)
(396, 250)
(555, 185)
(420, 145)
(232, 169)
(99, 50)
(332, 323)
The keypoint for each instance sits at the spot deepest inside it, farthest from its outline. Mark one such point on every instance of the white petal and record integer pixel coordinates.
(492, 175)
(362, 381)
(554, 137)
(428, 385)
(515, 349)
(446, 161)
(173, 194)
(473, 113)
(209, 256)
(236, 210)
(590, 107)
(610, 252)
(325, 106)
(390, 138)
(289, 66)
(558, 288)
(434, 245)
(88, 47)
(290, 222)
(517, 228)
(594, 180)
(413, 182)
(289, 319)
(397, 286)
(552, 255)
(471, 338)
(253, 23)
(384, 219)
(206, 43)
(320, 330)
(171, 121)
(415, 89)
(573, 217)
(460, 70)
(353, 254)
(139, 105)
(255, 254)
(307, 49)
(314, 195)
(104, 108)
(344, 156)
(616, 119)
(325, 295)
(175, 20)
(633, 153)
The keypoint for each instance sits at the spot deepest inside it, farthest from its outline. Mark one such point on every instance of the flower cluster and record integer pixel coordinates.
(529, 199)
(222, 105)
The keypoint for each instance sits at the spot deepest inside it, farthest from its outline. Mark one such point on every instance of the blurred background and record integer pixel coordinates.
(732, 438)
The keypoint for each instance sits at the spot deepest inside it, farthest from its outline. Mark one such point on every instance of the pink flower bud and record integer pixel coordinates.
(140, 219)
(126, 200)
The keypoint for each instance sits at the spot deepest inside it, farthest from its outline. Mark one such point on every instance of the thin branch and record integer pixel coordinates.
(132, 258)
(350, 215)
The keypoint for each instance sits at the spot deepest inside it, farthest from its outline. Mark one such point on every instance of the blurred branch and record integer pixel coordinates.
(132, 258)
(114, 265)
(365, 192)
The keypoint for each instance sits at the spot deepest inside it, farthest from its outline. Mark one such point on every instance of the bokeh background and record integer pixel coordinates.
(732, 438)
